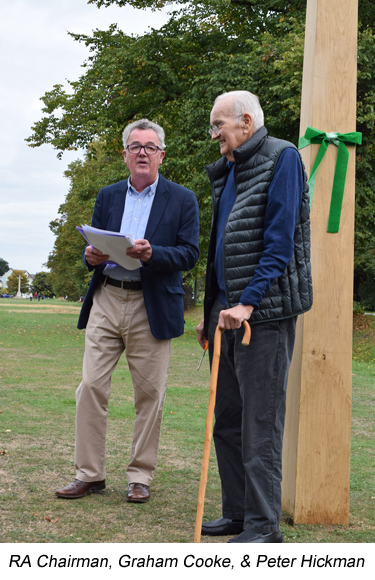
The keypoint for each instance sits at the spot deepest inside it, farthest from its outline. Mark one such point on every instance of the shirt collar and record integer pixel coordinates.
(150, 190)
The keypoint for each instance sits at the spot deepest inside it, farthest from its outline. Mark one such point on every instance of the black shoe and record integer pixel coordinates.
(222, 527)
(249, 537)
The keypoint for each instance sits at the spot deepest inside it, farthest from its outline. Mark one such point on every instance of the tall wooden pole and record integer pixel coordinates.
(316, 455)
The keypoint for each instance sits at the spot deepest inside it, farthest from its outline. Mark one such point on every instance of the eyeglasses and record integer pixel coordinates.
(216, 128)
(149, 149)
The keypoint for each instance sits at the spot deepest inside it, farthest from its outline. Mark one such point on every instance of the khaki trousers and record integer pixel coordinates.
(118, 321)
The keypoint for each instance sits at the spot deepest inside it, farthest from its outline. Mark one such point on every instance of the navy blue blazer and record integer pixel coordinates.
(173, 232)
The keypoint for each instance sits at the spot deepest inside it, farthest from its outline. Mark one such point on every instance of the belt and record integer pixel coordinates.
(123, 284)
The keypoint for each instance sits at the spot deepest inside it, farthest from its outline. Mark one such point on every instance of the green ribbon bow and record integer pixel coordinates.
(341, 140)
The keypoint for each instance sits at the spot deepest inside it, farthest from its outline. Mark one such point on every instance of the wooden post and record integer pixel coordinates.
(316, 455)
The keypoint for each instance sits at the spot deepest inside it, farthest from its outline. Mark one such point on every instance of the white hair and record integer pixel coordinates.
(245, 102)
(144, 124)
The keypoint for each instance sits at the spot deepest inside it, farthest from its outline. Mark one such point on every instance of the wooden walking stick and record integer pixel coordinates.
(209, 421)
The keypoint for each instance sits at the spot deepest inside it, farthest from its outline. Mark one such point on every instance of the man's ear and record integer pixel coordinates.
(248, 123)
(162, 155)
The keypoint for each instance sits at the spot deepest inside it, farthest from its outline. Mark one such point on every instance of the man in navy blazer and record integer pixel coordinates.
(138, 311)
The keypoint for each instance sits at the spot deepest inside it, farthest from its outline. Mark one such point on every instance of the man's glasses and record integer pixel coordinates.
(149, 149)
(215, 129)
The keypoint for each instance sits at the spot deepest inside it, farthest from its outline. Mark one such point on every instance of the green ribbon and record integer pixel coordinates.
(341, 140)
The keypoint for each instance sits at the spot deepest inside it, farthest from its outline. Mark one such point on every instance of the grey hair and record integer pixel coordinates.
(144, 124)
(245, 102)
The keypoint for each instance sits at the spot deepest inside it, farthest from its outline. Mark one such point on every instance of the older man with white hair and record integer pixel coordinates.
(258, 269)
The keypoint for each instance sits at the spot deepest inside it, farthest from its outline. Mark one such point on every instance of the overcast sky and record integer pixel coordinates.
(35, 54)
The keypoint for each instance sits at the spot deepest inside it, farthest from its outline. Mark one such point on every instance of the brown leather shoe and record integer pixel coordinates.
(138, 493)
(78, 489)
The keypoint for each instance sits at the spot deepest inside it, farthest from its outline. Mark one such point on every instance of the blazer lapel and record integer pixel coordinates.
(158, 207)
(118, 207)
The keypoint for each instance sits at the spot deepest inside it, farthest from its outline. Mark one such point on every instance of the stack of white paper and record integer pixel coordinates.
(113, 244)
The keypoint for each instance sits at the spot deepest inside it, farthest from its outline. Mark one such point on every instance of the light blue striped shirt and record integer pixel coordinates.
(134, 223)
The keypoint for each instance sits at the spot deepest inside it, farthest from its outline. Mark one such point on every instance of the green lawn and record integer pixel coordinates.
(41, 356)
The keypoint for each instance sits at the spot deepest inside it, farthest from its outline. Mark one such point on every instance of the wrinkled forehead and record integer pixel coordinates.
(221, 110)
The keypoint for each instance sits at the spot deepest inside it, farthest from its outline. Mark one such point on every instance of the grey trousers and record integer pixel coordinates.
(249, 419)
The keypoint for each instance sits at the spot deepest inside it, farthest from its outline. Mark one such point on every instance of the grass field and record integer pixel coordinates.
(41, 355)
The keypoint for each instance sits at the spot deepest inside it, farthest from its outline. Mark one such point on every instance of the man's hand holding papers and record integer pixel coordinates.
(111, 247)
(95, 257)
(141, 250)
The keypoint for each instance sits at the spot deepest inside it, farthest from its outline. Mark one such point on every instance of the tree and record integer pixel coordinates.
(4, 266)
(42, 284)
(86, 178)
(172, 76)
(364, 271)
(12, 284)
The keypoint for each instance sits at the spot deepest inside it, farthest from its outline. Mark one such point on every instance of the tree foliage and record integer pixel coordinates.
(12, 283)
(42, 284)
(364, 278)
(4, 266)
(69, 276)
(172, 76)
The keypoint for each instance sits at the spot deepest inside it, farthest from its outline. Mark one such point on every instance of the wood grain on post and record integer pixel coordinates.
(316, 454)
